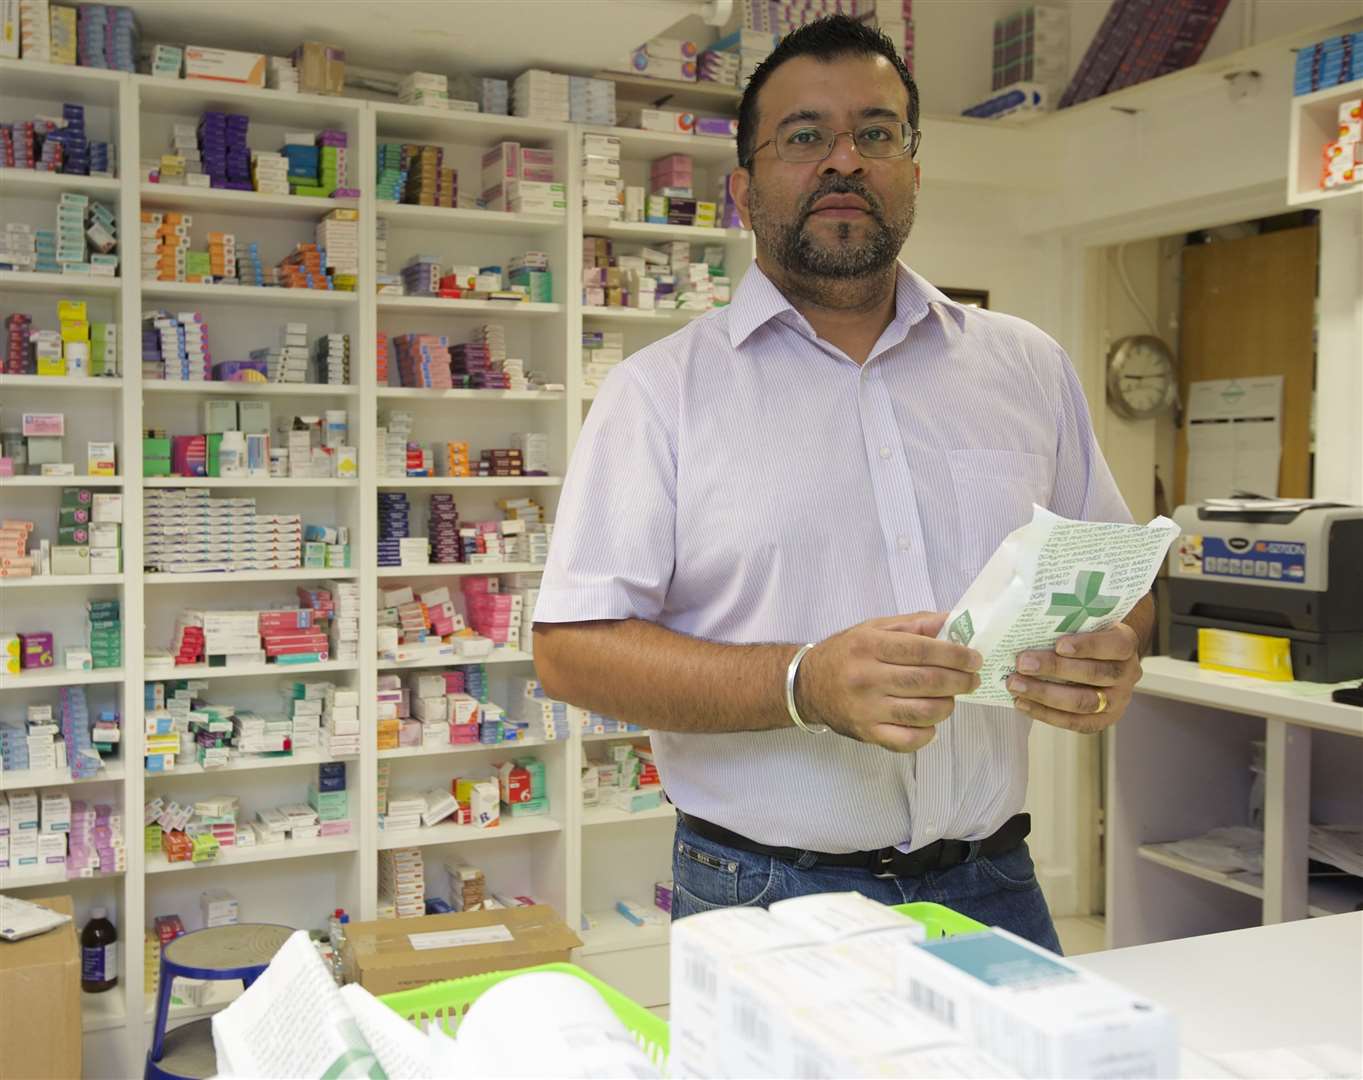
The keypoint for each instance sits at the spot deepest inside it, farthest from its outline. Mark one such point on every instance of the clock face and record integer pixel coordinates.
(1141, 377)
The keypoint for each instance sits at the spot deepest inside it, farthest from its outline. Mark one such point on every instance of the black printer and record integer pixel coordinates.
(1294, 573)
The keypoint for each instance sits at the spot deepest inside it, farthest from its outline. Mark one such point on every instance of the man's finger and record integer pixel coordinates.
(1048, 665)
(915, 682)
(917, 712)
(927, 623)
(1087, 724)
(914, 650)
(1115, 643)
(1083, 700)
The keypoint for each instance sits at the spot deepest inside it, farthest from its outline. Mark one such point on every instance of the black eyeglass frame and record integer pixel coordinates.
(910, 150)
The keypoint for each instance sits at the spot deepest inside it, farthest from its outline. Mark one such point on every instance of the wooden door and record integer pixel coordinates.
(1248, 309)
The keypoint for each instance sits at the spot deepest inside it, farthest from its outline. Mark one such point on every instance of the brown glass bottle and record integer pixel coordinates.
(98, 954)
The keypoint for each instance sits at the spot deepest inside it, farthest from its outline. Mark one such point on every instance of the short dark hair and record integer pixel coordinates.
(824, 39)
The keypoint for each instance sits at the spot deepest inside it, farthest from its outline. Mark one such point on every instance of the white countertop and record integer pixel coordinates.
(1270, 986)
(1302, 703)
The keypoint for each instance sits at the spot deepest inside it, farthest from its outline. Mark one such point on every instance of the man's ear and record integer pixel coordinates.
(917, 177)
(740, 181)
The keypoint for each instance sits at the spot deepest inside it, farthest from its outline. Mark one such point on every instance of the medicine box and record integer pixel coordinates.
(224, 65)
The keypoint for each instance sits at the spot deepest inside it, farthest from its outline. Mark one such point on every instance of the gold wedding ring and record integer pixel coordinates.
(1102, 703)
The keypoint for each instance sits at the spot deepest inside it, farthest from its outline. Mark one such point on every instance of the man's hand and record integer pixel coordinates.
(886, 681)
(1068, 687)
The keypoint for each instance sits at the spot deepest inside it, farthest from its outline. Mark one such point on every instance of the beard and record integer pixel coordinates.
(796, 249)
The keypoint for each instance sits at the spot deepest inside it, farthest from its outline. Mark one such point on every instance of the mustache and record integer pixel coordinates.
(843, 185)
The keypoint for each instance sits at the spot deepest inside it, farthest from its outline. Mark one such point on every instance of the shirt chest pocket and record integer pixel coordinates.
(995, 490)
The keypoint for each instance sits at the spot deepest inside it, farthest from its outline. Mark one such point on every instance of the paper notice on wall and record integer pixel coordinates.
(1050, 578)
(1235, 440)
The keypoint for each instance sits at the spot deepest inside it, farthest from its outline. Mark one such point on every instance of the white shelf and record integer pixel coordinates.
(1299, 703)
(660, 316)
(460, 570)
(250, 295)
(603, 736)
(255, 203)
(441, 482)
(615, 933)
(31, 182)
(1324, 897)
(245, 482)
(203, 671)
(647, 231)
(60, 382)
(60, 481)
(60, 581)
(37, 677)
(25, 877)
(103, 1012)
(236, 577)
(188, 98)
(447, 833)
(248, 763)
(59, 284)
(414, 122)
(498, 656)
(464, 748)
(23, 779)
(1314, 122)
(490, 397)
(648, 145)
(430, 305)
(248, 389)
(452, 219)
(608, 815)
(235, 856)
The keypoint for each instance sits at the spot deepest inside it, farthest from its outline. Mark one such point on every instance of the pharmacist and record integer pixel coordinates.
(841, 445)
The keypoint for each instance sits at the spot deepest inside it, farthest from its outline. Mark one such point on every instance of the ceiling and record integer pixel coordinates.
(485, 37)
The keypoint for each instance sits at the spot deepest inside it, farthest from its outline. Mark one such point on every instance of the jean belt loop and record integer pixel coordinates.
(806, 860)
(974, 851)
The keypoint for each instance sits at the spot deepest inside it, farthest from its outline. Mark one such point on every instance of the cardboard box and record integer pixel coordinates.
(400, 954)
(43, 1038)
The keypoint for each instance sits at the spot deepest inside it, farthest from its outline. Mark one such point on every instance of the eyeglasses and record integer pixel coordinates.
(799, 142)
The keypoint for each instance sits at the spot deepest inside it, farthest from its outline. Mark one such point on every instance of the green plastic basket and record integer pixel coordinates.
(939, 921)
(445, 1003)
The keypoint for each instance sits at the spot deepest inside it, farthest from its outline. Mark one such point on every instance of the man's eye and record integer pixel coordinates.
(805, 135)
(875, 134)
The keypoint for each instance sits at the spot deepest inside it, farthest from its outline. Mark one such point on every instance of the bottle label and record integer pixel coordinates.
(99, 963)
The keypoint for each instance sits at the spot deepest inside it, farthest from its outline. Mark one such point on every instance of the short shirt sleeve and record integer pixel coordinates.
(614, 545)
(1084, 488)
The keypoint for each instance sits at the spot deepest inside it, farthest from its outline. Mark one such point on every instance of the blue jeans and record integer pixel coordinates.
(999, 890)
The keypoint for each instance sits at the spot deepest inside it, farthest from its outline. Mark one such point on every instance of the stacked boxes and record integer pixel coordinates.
(395, 429)
(1343, 157)
(542, 95)
(664, 58)
(338, 236)
(1032, 45)
(423, 360)
(424, 88)
(491, 613)
(602, 186)
(602, 350)
(165, 245)
(394, 527)
(167, 61)
(189, 531)
(286, 362)
(542, 717)
(591, 101)
(402, 881)
(282, 75)
(331, 353)
(35, 31)
(222, 148)
(106, 633)
(107, 37)
(270, 172)
(1328, 63)
(219, 908)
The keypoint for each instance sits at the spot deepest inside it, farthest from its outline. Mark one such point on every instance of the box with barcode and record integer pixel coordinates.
(1036, 1012)
(703, 948)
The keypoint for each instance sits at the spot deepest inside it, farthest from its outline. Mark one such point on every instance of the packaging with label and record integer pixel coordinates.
(100, 459)
(830, 917)
(704, 948)
(1047, 579)
(1240, 653)
(670, 120)
(224, 65)
(1036, 1012)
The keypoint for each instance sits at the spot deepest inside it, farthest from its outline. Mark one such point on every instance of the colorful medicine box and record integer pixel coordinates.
(36, 650)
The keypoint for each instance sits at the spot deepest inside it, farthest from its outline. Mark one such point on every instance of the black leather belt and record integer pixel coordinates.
(887, 862)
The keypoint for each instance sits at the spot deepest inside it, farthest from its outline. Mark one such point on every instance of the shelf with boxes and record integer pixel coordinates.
(1326, 140)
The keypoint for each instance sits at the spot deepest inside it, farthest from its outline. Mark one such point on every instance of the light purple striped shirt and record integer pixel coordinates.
(744, 481)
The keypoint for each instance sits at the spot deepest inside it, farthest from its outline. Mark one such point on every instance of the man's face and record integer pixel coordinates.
(846, 216)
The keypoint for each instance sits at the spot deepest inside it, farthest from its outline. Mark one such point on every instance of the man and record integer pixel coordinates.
(839, 445)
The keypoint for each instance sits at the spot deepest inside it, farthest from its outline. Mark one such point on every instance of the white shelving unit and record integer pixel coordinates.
(1179, 764)
(557, 858)
(1315, 122)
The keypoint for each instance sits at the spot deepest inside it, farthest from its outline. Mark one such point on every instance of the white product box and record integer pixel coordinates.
(224, 65)
(703, 948)
(1037, 1013)
(658, 120)
(51, 848)
(835, 916)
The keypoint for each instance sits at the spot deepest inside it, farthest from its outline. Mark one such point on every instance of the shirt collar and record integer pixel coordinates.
(758, 301)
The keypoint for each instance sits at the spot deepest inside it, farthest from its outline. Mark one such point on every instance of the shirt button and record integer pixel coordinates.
(885, 451)
(904, 543)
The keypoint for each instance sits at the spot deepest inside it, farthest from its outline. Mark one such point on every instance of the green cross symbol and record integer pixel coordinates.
(962, 629)
(1083, 604)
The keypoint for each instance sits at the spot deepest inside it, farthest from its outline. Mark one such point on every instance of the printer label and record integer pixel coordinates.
(1282, 561)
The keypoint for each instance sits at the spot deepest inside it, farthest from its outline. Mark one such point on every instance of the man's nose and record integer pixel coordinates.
(844, 158)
